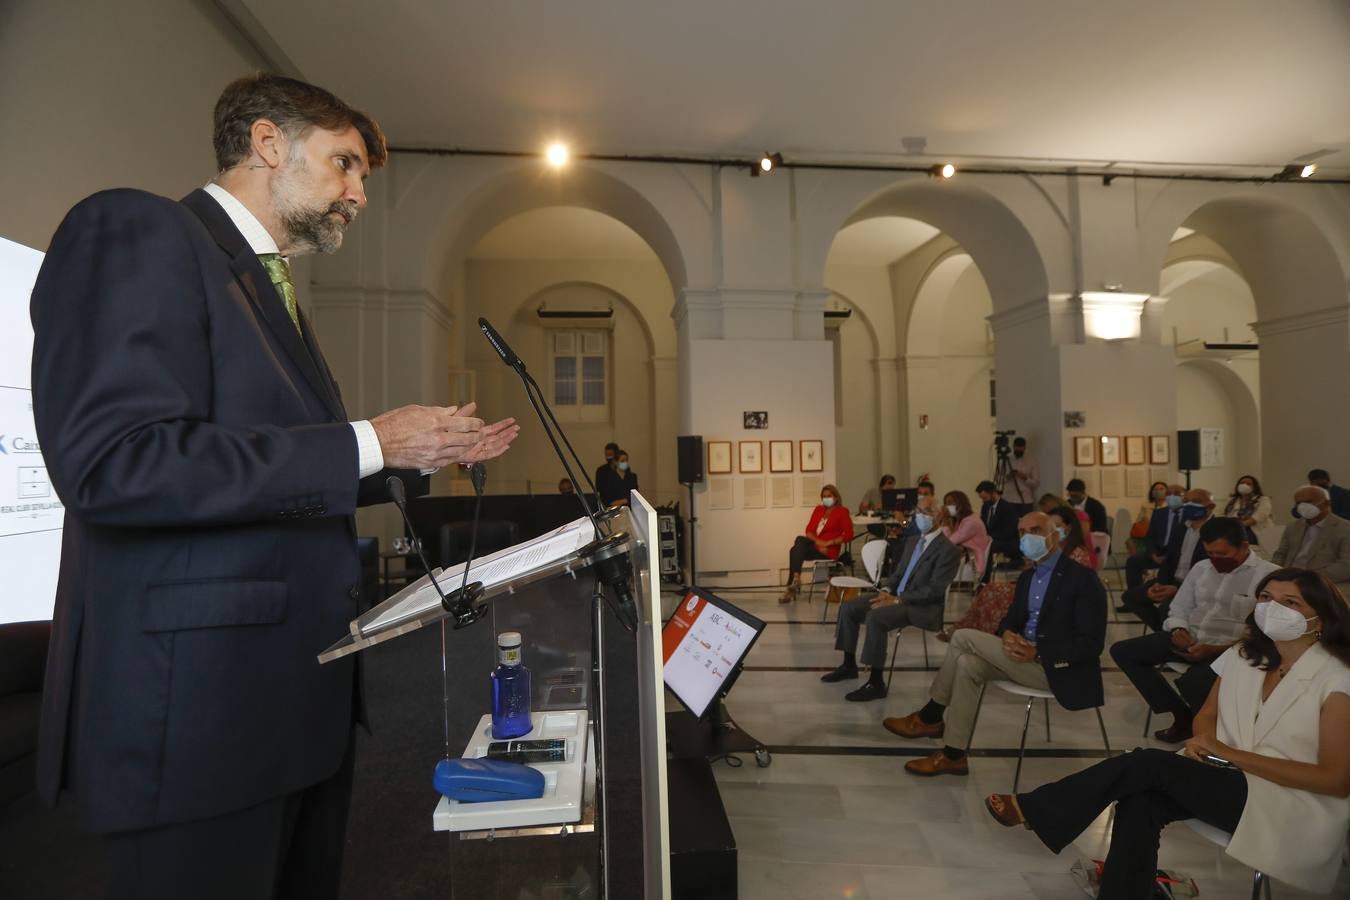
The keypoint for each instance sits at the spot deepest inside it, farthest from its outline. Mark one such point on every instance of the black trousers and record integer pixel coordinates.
(802, 549)
(1139, 659)
(286, 848)
(1136, 566)
(1136, 601)
(1150, 788)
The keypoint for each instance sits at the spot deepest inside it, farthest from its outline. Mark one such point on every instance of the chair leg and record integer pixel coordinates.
(890, 670)
(1047, 721)
(1102, 725)
(1022, 747)
(1148, 720)
(975, 721)
(1260, 886)
(926, 664)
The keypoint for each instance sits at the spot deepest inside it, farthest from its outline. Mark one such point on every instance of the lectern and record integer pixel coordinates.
(596, 681)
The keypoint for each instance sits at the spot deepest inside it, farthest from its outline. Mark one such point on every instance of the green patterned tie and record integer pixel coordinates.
(280, 272)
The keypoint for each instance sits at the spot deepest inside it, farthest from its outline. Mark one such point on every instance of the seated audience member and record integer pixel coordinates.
(623, 482)
(991, 603)
(1156, 500)
(1079, 499)
(963, 528)
(1249, 506)
(1074, 540)
(1279, 714)
(1207, 616)
(871, 501)
(1048, 501)
(1149, 601)
(828, 530)
(1000, 521)
(913, 596)
(1164, 527)
(926, 503)
(565, 486)
(1317, 539)
(1340, 497)
(1051, 639)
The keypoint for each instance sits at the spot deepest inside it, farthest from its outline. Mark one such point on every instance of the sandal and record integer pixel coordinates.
(1010, 815)
(944, 635)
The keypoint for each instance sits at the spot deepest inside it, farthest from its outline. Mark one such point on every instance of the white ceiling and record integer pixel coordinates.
(563, 232)
(880, 241)
(1190, 84)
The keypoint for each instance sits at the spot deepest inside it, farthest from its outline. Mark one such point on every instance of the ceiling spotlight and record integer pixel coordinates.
(766, 163)
(1296, 170)
(946, 170)
(557, 155)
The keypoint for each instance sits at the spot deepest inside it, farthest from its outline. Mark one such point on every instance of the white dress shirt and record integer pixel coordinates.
(1214, 606)
(370, 458)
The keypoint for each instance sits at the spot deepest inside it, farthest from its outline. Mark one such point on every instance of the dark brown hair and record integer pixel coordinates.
(1318, 592)
(961, 502)
(294, 106)
(1069, 516)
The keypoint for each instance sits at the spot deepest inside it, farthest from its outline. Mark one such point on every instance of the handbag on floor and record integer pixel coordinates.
(1167, 885)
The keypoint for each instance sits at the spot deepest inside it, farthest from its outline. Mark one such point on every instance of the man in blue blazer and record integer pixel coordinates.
(1164, 528)
(210, 475)
(1051, 639)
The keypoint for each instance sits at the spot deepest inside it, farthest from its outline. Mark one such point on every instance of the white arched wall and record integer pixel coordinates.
(858, 415)
(1291, 249)
(1212, 395)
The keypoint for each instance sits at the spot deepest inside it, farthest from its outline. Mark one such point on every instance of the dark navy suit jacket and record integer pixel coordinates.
(209, 475)
(1070, 633)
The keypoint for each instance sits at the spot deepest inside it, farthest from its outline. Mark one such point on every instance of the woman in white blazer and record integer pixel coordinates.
(1270, 760)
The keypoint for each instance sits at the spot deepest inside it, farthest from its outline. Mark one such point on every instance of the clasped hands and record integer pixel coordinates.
(1186, 646)
(429, 437)
(885, 598)
(1018, 648)
(1161, 593)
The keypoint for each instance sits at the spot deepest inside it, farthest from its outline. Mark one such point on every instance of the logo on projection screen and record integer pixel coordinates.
(31, 515)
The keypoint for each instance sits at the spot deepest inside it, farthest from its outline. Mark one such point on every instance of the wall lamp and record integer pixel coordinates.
(766, 164)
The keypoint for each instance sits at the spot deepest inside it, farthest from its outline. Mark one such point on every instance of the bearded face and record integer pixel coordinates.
(312, 221)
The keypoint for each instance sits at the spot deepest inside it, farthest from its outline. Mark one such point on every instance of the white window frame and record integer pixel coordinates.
(581, 334)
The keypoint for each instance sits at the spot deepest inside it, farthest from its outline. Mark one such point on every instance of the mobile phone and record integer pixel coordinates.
(1216, 761)
(539, 751)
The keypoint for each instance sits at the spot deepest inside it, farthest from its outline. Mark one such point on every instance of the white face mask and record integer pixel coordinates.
(623, 467)
(951, 511)
(1307, 510)
(827, 502)
(1280, 622)
(1244, 489)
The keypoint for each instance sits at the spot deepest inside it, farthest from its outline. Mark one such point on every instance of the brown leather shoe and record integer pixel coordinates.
(911, 726)
(938, 764)
(1179, 732)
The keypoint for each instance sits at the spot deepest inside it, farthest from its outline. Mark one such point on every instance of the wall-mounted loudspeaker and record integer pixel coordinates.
(691, 458)
(1188, 450)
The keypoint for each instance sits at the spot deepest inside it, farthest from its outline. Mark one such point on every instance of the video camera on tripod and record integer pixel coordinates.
(1002, 444)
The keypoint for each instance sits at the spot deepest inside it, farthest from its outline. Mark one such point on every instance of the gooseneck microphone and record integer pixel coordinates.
(515, 362)
(613, 565)
(462, 606)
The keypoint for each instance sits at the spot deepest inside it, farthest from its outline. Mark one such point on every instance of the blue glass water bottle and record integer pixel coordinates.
(510, 690)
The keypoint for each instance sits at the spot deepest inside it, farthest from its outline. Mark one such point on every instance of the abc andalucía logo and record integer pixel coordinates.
(18, 445)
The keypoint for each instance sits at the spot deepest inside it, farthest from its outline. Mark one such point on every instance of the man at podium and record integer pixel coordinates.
(210, 474)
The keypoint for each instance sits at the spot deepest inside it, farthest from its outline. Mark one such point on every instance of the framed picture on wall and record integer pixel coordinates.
(719, 457)
(780, 456)
(812, 456)
(1110, 450)
(1085, 450)
(1135, 451)
(752, 456)
(1160, 450)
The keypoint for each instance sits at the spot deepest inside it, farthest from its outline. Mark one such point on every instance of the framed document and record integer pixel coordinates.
(752, 493)
(780, 456)
(812, 456)
(1160, 450)
(811, 485)
(1136, 483)
(1111, 484)
(1135, 451)
(1110, 450)
(780, 492)
(719, 457)
(752, 456)
(1085, 450)
(721, 493)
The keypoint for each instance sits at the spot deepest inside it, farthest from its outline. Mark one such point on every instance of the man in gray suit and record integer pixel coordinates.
(914, 595)
(1317, 540)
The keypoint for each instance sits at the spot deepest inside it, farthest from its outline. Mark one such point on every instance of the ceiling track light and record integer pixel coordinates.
(943, 171)
(1295, 171)
(766, 164)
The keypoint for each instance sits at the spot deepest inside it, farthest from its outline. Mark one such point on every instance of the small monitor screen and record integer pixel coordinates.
(902, 499)
(703, 644)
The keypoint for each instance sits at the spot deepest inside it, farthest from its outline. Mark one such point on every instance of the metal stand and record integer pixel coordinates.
(716, 736)
(693, 523)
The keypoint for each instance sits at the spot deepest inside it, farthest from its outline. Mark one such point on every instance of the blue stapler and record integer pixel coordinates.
(485, 780)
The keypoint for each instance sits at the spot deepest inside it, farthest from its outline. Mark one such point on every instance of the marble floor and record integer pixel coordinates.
(834, 817)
